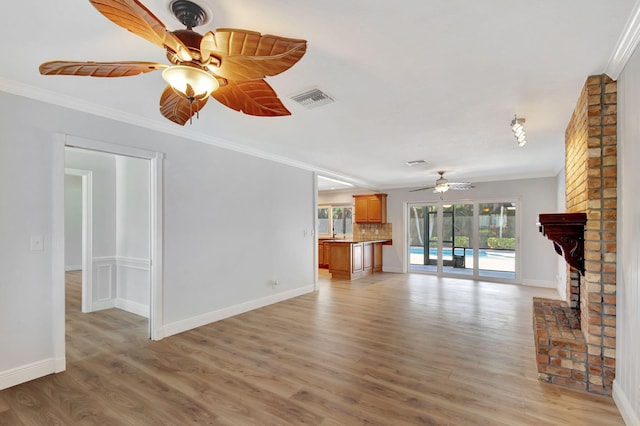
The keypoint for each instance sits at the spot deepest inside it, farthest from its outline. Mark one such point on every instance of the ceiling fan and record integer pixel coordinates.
(443, 185)
(229, 65)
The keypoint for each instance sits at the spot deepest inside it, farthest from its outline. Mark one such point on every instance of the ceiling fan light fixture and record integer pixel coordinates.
(441, 188)
(190, 82)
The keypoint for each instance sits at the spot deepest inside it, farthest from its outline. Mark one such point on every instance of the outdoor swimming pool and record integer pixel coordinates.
(446, 252)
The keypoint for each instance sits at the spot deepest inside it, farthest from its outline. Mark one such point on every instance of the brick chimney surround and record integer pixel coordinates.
(575, 340)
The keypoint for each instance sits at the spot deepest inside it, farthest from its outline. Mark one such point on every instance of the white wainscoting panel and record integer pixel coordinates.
(104, 285)
(122, 283)
(133, 281)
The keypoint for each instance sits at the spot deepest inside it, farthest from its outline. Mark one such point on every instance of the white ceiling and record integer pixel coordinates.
(438, 80)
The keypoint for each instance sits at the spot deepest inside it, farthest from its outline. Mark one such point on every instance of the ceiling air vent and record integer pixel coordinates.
(415, 162)
(312, 98)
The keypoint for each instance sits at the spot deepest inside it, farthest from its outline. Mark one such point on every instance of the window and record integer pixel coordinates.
(336, 220)
(342, 220)
(323, 220)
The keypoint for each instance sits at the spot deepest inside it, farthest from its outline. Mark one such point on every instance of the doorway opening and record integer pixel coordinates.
(107, 229)
(471, 239)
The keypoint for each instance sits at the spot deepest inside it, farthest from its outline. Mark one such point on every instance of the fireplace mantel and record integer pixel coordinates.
(566, 230)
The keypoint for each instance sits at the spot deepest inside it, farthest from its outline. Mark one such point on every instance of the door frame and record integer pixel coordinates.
(156, 160)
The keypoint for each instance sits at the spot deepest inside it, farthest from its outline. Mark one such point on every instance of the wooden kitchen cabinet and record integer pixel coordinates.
(353, 260)
(327, 255)
(357, 258)
(341, 263)
(367, 256)
(370, 208)
(377, 257)
(323, 254)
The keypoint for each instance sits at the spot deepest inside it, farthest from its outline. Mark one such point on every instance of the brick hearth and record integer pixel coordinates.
(561, 349)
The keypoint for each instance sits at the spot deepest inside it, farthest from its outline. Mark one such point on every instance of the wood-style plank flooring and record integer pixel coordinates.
(387, 349)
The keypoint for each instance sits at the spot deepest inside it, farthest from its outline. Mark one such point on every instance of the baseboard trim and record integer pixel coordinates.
(28, 372)
(393, 270)
(103, 304)
(60, 364)
(624, 405)
(133, 307)
(209, 317)
(68, 268)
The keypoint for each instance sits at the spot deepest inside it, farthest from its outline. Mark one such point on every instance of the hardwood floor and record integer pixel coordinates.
(386, 349)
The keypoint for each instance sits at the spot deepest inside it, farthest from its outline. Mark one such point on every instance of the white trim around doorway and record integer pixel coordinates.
(156, 235)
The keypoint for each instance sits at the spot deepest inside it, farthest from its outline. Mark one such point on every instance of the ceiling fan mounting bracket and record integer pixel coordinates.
(189, 13)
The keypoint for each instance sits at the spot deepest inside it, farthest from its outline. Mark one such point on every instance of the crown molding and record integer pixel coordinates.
(55, 98)
(626, 44)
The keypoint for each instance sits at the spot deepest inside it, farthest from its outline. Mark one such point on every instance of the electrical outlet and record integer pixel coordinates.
(275, 283)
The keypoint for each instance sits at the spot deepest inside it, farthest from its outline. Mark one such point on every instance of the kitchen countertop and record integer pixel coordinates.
(356, 240)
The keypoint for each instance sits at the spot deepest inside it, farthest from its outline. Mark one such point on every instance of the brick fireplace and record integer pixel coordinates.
(576, 340)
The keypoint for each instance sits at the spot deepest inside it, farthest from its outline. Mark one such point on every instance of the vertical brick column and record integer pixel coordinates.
(598, 316)
(591, 181)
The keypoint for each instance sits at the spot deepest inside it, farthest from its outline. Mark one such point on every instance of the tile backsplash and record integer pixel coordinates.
(372, 230)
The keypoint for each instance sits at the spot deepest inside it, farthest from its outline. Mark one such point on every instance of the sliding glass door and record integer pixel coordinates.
(473, 239)
(423, 237)
(457, 237)
(497, 240)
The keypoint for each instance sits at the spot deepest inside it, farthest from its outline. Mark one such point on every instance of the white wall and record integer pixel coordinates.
(25, 282)
(132, 207)
(224, 219)
(72, 223)
(224, 239)
(626, 387)
(103, 167)
(132, 234)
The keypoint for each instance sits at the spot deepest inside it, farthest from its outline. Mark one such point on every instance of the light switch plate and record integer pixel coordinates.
(37, 242)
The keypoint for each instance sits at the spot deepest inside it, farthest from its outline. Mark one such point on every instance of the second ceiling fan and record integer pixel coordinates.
(442, 185)
(229, 65)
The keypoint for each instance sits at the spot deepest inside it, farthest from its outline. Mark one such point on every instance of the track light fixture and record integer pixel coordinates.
(518, 130)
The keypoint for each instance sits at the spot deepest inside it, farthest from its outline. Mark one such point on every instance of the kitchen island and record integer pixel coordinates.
(351, 259)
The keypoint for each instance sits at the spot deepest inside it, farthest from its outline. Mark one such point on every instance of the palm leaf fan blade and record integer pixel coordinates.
(176, 108)
(247, 55)
(252, 97)
(99, 69)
